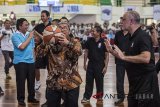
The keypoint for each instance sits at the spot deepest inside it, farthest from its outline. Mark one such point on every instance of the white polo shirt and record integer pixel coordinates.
(6, 42)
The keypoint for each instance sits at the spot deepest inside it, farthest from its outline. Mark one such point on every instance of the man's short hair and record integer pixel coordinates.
(99, 29)
(64, 18)
(56, 20)
(20, 22)
(46, 12)
(134, 15)
(33, 21)
(6, 21)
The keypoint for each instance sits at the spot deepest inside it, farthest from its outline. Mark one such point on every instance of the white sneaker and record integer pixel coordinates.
(37, 86)
(84, 100)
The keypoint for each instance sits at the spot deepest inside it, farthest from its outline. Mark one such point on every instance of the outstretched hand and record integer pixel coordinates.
(114, 50)
(108, 45)
(118, 53)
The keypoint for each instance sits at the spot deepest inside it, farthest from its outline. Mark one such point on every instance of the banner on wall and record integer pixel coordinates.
(68, 8)
(31, 8)
(156, 12)
(106, 12)
(129, 8)
(57, 9)
(74, 8)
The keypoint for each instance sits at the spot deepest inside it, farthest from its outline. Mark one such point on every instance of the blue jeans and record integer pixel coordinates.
(70, 97)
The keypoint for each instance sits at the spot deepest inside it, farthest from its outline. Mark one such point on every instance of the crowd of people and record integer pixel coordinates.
(57, 45)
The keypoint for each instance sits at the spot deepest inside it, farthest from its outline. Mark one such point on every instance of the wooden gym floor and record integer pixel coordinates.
(9, 87)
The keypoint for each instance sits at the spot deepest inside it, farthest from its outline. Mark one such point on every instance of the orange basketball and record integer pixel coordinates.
(49, 32)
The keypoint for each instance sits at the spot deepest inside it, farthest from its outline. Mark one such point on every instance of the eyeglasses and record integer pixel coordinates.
(123, 19)
(63, 28)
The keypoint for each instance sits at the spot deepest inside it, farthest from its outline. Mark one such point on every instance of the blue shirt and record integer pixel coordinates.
(26, 55)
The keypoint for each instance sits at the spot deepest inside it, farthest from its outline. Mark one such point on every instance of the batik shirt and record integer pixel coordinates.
(62, 65)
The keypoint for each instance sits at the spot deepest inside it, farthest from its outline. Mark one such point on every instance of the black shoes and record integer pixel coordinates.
(44, 105)
(34, 101)
(22, 103)
(119, 102)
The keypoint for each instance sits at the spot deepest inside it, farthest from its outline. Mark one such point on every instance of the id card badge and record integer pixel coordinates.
(99, 45)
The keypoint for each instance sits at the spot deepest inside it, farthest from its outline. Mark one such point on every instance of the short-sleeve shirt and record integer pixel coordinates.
(96, 50)
(140, 74)
(6, 43)
(121, 41)
(26, 55)
(40, 27)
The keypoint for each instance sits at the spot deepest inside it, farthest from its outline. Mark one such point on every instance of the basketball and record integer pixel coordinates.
(49, 32)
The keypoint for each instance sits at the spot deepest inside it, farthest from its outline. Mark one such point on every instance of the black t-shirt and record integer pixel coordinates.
(41, 62)
(121, 41)
(139, 75)
(140, 41)
(96, 50)
(40, 27)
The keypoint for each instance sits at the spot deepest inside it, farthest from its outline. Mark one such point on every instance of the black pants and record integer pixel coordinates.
(158, 66)
(54, 97)
(143, 103)
(25, 71)
(149, 84)
(94, 71)
(120, 73)
(7, 56)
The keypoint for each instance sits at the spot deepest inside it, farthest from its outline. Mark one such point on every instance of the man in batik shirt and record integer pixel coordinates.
(63, 77)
